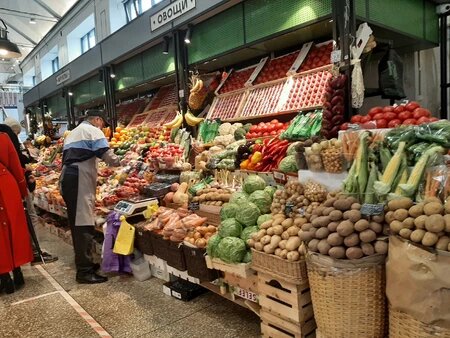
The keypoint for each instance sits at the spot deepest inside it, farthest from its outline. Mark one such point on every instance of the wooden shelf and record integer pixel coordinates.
(270, 116)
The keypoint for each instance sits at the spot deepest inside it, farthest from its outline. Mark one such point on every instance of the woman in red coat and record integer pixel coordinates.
(15, 248)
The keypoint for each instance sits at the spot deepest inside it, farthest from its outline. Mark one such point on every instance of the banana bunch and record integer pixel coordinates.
(191, 119)
(176, 122)
(197, 85)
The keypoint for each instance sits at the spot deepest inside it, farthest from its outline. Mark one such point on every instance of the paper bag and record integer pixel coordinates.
(418, 282)
(124, 244)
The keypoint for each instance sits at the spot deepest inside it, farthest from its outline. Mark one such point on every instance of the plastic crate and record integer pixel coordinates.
(160, 246)
(143, 241)
(175, 256)
(196, 264)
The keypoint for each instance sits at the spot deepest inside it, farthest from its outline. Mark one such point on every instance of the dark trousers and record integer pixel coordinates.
(82, 235)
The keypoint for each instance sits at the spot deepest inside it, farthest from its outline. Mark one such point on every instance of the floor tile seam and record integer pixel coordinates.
(30, 299)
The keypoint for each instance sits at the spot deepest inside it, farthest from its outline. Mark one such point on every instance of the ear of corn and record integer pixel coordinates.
(385, 156)
(369, 196)
(383, 186)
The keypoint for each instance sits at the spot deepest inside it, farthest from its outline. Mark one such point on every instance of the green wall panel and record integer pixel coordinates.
(97, 88)
(56, 105)
(88, 90)
(403, 15)
(361, 8)
(219, 34)
(129, 72)
(155, 63)
(267, 17)
(431, 23)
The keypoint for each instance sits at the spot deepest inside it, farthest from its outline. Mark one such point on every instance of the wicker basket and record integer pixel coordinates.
(348, 296)
(293, 272)
(402, 325)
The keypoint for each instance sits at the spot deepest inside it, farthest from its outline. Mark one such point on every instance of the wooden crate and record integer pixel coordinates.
(240, 269)
(250, 283)
(273, 326)
(287, 300)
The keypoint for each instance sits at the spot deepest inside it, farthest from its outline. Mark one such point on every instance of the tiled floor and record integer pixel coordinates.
(123, 307)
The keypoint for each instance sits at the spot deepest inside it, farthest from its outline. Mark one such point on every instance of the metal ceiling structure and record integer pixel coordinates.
(28, 22)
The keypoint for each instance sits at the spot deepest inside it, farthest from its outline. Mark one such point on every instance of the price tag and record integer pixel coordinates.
(246, 294)
(336, 56)
(372, 209)
(194, 206)
(289, 208)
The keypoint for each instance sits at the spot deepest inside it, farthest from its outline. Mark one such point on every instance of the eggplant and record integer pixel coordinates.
(242, 149)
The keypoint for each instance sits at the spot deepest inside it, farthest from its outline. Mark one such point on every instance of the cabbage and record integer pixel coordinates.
(248, 257)
(213, 242)
(253, 183)
(263, 218)
(248, 214)
(239, 197)
(262, 200)
(247, 232)
(288, 164)
(270, 190)
(231, 250)
(230, 228)
(228, 211)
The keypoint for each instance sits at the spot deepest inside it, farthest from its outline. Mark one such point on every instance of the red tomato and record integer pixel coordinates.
(399, 109)
(266, 134)
(405, 115)
(274, 121)
(375, 110)
(344, 126)
(356, 118)
(382, 123)
(273, 132)
(390, 116)
(421, 112)
(411, 106)
(365, 119)
(394, 123)
(279, 125)
(253, 129)
(388, 109)
(433, 119)
(379, 116)
(422, 119)
(409, 122)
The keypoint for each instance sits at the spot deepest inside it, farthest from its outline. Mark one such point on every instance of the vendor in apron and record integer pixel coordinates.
(82, 149)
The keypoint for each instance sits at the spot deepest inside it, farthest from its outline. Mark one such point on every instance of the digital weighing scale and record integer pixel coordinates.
(130, 208)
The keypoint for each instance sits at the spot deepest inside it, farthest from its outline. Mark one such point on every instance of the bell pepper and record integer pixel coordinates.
(256, 157)
(244, 164)
(251, 166)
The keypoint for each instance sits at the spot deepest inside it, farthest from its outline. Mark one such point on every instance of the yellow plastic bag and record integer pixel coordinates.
(124, 244)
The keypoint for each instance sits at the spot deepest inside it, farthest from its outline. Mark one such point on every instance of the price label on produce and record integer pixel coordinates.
(289, 208)
(372, 209)
(194, 206)
(246, 294)
(336, 56)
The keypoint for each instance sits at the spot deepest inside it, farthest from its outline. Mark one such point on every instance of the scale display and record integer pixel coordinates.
(129, 208)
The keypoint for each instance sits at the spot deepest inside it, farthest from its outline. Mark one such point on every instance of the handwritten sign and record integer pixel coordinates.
(372, 209)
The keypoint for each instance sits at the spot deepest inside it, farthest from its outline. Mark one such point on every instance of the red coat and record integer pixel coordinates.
(15, 245)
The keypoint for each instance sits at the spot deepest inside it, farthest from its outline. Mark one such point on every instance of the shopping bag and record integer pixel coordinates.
(124, 244)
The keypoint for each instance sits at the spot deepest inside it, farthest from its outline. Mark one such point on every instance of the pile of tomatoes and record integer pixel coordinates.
(276, 68)
(391, 117)
(317, 57)
(272, 128)
(236, 80)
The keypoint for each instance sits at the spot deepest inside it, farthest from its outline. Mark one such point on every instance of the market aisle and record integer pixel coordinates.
(123, 307)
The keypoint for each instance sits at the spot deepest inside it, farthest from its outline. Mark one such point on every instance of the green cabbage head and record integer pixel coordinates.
(230, 228)
(263, 218)
(231, 250)
(253, 183)
(247, 232)
(248, 257)
(228, 211)
(262, 200)
(213, 242)
(270, 190)
(239, 197)
(248, 214)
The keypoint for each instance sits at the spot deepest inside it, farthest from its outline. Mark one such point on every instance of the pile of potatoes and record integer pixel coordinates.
(292, 194)
(338, 229)
(213, 196)
(427, 223)
(280, 236)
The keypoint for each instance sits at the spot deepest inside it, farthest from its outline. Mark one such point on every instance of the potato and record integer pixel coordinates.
(400, 214)
(277, 252)
(442, 243)
(277, 221)
(299, 221)
(400, 203)
(260, 234)
(277, 229)
(293, 243)
(362, 225)
(268, 249)
(312, 218)
(447, 207)
(285, 235)
(327, 211)
(323, 247)
(306, 226)
(389, 217)
(293, 256)
(266, 224)
(351, 240)
(408, 223)
(318, 211)
(329, 202)
(343, 204)
(312, 245)
(396, 226)
(435, 223)
(251, 242)
(405, 233)
(333, 226)
(377, 227)
(345, 228)
(419, 222)
(416, 210)
(378, 218)
(282, 244)
(367, 236)
(335, 215)
(321, 221)
(305, 236)
(275, 240)
(352, 215)
(270, 231)
(417, 235)
(334, 239)
(447, 222)
(431, 199)
(293, 230)
(265, 240)
(381, 247)
(337, 252)
(287, 223)
(351, 200)
(354, 253)
(430, 239)
(322, 233)
(367, 249)
(259, 246)
(433, 208)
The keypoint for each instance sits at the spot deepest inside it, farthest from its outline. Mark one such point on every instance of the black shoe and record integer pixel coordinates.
(18, 278)
(6, 283)
(90, 278)
(46, 257)
(96, 267)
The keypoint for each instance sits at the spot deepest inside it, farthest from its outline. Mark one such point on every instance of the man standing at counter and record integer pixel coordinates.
(82, 149)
